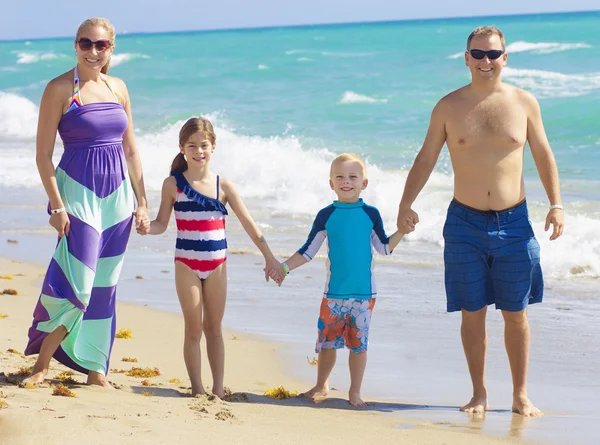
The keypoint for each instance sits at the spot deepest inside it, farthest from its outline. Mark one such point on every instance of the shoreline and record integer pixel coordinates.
(253, 364)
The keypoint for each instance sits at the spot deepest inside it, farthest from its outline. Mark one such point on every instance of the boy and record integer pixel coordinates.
(353, 228)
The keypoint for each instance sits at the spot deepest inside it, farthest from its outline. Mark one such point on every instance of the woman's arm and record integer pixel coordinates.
(51, 110)
(168, 195)
(234, 200)
(134, 164)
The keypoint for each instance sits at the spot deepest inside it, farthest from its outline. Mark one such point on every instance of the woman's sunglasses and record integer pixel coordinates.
(86, 44)
(492, 54)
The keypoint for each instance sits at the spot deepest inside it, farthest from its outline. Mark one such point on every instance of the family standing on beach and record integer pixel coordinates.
(491, 255)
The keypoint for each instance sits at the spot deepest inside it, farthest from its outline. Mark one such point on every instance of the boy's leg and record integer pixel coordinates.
(474, 340)
(357, 363)
(326, 363)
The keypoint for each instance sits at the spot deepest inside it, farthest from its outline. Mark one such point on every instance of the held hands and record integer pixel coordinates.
(556, 218)
(60, 221)
(142, 221)
(407, 220)
(274, 271)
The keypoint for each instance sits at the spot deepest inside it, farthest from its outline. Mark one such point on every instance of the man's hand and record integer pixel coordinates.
(556, 218)
(407, 220)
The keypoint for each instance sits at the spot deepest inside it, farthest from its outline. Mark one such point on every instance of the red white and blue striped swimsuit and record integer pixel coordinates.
(201, 242)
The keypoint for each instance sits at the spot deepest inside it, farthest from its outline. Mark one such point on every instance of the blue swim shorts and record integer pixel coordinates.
(491, 257)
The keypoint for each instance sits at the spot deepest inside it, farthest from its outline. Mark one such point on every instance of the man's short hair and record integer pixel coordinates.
(486, 31)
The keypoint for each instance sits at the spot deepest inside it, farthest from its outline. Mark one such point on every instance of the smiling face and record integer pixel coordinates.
(91, 57)
(485, 69)
(347, 180)
(197, 150)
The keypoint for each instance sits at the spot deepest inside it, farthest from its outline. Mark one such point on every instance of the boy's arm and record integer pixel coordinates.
(395, 239)
(168, 195)
(295, 261)
(310, 248)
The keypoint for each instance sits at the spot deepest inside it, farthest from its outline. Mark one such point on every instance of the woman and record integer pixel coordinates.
(90, 203)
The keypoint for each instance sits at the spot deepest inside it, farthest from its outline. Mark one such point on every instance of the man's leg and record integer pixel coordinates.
(474, 339)
(516, 339)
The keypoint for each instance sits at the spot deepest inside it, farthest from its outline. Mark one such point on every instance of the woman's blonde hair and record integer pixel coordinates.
(99, 22)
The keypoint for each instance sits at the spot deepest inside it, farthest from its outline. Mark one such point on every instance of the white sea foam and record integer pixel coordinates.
(263, 67)
(119, 59)
(350, 97)
(552, 84)
(26, 57)
(535, 48)
(18, 117)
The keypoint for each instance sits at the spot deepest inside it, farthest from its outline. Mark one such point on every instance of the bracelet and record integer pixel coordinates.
(556, 206)
(62, 209)
(286, 268)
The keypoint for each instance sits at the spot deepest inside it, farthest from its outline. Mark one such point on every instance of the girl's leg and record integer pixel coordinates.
(214, 290)
(189, 291)
(49, 346)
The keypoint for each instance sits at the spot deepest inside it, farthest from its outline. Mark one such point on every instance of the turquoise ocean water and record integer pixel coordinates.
(285, 101)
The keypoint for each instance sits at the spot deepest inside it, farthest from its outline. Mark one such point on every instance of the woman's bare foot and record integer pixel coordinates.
(200, 392)
(355, 399)
(522, 405)
(95, 378)
(36, 377)
(477, 405)
(219, 392)
(318, 392)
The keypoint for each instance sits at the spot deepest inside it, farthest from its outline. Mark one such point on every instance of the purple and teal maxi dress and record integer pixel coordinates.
(79, 289)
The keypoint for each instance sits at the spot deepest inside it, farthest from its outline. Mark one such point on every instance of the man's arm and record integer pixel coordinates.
(422, 167)
(544, 162)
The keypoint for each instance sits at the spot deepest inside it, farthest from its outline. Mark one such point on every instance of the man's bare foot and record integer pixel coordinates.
(318, 392)
(35, 378)
(95, 378)
(477, 405)
(355, 399)
(522, 405)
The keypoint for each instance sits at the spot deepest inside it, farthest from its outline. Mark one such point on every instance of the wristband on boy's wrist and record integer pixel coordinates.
(286, 268)
(556, 206)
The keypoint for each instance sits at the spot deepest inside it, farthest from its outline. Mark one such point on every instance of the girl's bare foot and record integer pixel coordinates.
(477, 405)
(318, 392)
(95, 378)
(522, 405)
(356, 400)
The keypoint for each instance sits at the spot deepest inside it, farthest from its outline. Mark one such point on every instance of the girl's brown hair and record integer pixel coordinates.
(103, 23)
(191, 127)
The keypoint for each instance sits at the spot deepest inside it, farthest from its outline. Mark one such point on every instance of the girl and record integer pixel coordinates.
(199, 197)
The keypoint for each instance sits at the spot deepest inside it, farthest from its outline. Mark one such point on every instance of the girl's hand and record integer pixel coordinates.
(274, 270)
(60, 221)
(142, 221)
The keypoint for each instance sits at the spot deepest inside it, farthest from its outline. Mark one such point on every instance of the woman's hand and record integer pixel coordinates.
(274, 270)
(60, 221)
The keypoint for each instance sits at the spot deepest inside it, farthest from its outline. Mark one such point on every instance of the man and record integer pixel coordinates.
(490, 254)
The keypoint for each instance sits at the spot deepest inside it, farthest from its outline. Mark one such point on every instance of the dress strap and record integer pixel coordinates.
(76, 99)
(217, 187)
(117, 97)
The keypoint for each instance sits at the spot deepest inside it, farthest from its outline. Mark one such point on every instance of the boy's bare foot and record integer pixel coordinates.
(35, 378)
(95, 378)
(355, 399)
(477, 405)
(318, 392)
(522, 405)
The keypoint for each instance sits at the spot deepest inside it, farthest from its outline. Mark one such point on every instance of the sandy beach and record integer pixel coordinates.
(165, 413)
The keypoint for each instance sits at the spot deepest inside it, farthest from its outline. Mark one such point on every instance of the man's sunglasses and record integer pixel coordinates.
(86, 44)
(492, 54)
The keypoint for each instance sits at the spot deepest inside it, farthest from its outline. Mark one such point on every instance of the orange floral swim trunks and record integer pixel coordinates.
(345, 323)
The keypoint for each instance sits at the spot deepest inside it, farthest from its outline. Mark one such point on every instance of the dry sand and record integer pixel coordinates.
(165, 413)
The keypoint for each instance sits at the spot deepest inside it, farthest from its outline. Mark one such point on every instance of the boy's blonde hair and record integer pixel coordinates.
(349, 157)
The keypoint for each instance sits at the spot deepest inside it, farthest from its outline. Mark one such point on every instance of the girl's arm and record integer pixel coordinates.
(51, 109)
(168, 196)
(134, 164)
(239, 208)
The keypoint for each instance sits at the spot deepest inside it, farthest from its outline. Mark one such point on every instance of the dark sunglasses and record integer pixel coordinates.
(492, 54)
(86, 44)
